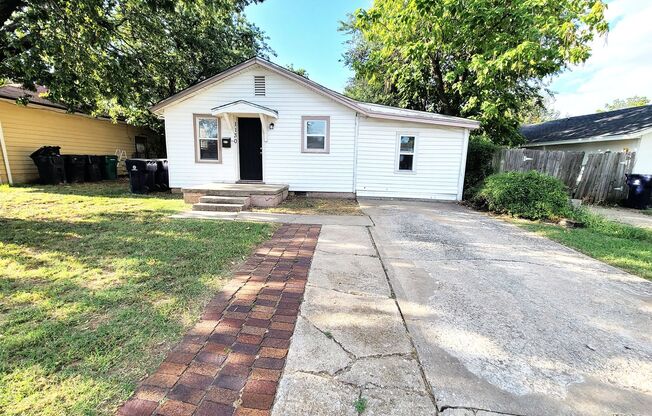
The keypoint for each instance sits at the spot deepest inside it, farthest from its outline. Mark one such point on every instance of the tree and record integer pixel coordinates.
(118, 57)
(299, 71)
(617, 104)
(539, 110)
(482, 59)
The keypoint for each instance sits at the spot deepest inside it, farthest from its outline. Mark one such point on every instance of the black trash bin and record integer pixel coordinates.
(75, 168)
(142, 175)
(50, 165)
(93, 169)
(640, 190)
(162, 176)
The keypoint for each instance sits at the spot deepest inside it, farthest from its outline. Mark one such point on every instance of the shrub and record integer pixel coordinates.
(479, 160)
(531, 195)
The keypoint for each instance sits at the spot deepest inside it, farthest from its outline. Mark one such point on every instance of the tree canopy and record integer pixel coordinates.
(483, 59)
(297, 70)
(619, 103)
(118, 57)
(539, 110)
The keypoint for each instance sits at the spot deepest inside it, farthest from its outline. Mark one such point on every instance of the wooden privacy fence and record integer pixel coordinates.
(603, 177)
(601, 180)
(565, 166)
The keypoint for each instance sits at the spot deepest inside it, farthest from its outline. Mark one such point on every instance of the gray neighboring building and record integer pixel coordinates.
(629, 129)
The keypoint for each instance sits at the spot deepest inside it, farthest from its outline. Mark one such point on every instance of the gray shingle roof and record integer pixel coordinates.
(612, 123)
(14, 92)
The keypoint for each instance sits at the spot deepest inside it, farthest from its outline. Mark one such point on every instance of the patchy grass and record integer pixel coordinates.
(647, 211)
(96, 285)
(621, 245)
(360, 405)
(315, 206)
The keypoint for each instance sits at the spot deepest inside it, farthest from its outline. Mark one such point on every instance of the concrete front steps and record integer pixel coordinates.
(234, 197)
(222, 203)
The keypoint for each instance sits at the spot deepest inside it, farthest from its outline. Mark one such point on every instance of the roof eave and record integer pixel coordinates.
(464, 123)
(593, 139)
(313, 86)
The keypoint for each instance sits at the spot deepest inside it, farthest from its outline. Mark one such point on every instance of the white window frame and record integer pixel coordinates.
(198, 159)
(399, 153)
(304, 134)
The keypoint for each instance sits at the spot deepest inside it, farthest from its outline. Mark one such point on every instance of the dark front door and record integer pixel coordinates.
(251, 149)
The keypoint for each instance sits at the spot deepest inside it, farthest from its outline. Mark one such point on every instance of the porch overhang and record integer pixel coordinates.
(241, 108)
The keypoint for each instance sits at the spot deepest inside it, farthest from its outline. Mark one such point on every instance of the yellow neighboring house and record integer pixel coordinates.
(23, 129)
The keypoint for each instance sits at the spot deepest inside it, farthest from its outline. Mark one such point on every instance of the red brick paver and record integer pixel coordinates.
(230, 362)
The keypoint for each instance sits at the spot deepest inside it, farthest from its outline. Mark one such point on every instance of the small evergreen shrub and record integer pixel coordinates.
(479, 160)
(531, 195)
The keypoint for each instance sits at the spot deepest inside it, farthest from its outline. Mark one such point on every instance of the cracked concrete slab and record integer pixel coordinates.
(362, 325)
(314, 352)
(350, 340)
(394, 371)
(512, 323)
(397, 402)
(341, 239)
(301, 394)
(457, 412)
(363, 275)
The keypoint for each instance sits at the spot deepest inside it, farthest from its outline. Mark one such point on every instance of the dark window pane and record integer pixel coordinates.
(405, 162)
(407, 144)
(208, 149)
(315, 142)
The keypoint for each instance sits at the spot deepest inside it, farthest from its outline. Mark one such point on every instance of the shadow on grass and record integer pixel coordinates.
(109, 189)
(102, 302)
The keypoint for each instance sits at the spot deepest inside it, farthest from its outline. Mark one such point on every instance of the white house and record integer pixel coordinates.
(624, 130)
(259, 122)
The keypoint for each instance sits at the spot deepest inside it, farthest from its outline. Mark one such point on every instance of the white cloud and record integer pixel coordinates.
(621, 64)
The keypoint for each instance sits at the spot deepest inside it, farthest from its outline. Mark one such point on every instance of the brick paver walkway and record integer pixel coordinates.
(231, 361)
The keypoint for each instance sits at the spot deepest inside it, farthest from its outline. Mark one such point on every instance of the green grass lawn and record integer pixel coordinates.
(96, 285)
(623, 246)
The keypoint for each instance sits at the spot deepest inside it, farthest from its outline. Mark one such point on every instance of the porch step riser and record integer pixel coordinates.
(202, 206)
(232, 193)
(225, 200)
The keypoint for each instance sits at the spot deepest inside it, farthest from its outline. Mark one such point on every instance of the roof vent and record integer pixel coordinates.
(259, 85)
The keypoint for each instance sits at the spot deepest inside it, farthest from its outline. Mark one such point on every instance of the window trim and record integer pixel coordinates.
(195, 121)
(413, 153)
(304, 135)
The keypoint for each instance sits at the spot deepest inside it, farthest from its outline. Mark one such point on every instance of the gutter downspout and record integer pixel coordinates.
(5, 157)
(355, 154)
(460, 181)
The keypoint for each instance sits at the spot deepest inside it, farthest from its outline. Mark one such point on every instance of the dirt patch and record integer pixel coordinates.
(315, 206)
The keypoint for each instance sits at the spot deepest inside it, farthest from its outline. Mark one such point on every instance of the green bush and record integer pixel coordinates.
(479, 159)
(531, 195)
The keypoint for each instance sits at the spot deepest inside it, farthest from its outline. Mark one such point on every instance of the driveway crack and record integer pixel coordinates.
(407, 331)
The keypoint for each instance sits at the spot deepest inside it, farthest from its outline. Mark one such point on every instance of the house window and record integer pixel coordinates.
(207, 143)
(315, 134)
(406, 145)
(259, 85)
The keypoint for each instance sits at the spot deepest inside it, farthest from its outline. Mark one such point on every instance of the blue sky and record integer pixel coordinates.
(304, 33)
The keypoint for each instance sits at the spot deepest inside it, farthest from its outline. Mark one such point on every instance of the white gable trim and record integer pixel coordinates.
(366, 110)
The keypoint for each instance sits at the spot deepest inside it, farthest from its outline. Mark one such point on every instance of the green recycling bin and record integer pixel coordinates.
(110, 167)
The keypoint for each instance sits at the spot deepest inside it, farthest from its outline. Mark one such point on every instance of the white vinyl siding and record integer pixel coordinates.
(439, 156)
(283, 161)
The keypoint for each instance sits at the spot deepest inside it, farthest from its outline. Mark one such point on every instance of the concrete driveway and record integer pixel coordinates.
(504, 321)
